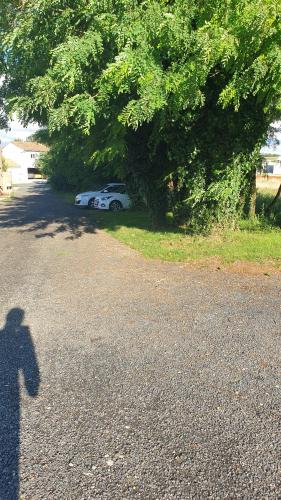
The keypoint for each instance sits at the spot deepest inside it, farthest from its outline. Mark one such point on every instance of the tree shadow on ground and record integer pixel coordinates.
(17, 355)
(46, 214)
(142, 220)
(41, 211)
(134, 219)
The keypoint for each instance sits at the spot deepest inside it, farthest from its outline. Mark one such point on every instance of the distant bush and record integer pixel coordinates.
(264, 198)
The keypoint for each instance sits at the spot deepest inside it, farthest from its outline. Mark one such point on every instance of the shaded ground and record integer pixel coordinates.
(36, 210)
(157, 381)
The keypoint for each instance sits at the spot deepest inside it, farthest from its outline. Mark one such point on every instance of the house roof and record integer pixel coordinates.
(31, 146)
(271, 150)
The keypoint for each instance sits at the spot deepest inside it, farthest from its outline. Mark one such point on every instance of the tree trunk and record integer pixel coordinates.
(251, 195)
(272, 203)
(157, 203)
(158, 214)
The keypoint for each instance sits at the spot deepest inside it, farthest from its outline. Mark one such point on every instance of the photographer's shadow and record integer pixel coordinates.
(17, 355)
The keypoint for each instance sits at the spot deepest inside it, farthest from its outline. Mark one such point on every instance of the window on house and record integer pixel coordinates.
(269, 169)
(33, 155)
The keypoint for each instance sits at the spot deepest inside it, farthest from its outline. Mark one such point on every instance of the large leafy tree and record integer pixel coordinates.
(179, 90)
(5, 13)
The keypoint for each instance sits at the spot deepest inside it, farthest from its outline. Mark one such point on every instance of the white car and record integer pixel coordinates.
(87, 199)
(115, 199)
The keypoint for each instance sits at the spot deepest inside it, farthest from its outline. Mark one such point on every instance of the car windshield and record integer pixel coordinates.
(101, 188)
(118, 188)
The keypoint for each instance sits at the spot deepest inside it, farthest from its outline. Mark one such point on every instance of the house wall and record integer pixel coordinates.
(277, 168)
(19, 175)
(23, 161)
(273, 167)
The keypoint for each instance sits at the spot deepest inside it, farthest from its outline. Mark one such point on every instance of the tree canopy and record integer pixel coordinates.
(162, 92)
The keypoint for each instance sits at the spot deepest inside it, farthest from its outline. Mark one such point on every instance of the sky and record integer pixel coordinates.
(17, 131)
(274, 146)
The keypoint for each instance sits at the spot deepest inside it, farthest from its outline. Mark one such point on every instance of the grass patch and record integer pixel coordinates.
(249, 243)
(256, 240)
(264, 197)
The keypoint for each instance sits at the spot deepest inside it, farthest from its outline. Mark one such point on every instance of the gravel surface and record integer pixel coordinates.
(124, 378)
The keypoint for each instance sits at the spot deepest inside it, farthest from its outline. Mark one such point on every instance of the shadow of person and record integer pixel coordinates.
(17, 355)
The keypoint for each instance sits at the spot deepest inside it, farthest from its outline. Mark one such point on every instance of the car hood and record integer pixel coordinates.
(89, 193)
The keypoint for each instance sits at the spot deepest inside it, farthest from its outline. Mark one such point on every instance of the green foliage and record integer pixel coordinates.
(205, 198)
(148, 91)
(64, 167)
(215, 204)
(4, 164)
(273, 219)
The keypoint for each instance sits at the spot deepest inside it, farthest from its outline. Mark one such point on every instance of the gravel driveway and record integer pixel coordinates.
(123, 378)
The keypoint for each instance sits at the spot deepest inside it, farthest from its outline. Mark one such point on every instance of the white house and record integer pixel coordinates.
(22, 158)
(271, 154)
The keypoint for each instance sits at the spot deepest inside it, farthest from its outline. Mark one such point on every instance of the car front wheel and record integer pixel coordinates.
(115, 205)
(91, 203)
